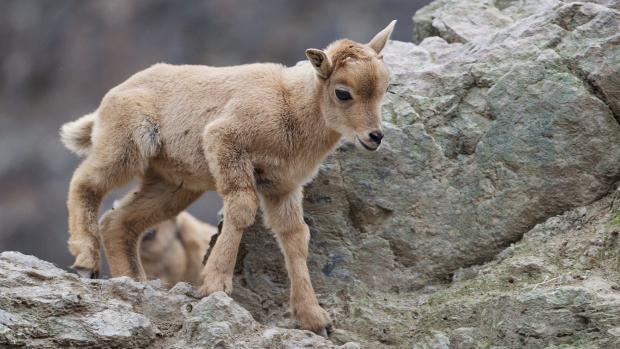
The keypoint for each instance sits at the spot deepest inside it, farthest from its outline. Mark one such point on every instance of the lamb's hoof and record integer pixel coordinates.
(326, 331)
(314, 318)
(86, 273)
(87, 259)
(87, 265)
(215, 282)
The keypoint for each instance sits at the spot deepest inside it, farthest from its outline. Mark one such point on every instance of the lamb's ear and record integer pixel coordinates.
(320, 62)
(378, 42)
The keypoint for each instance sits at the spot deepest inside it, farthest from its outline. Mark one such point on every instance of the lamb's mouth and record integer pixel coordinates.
(366, 145)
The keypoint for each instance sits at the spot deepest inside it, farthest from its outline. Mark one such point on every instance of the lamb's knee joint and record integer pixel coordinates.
(240, 209)
(113, 222)
(106, 221)
(294, 231)
(84, 191)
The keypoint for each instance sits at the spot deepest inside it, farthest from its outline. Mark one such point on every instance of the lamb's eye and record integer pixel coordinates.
(343, 95)
(149, 235)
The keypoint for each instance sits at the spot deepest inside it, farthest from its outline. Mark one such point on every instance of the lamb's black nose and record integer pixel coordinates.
(376, 136)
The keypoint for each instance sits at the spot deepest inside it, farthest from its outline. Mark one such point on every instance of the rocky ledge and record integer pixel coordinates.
(42, 306)
(557, 287)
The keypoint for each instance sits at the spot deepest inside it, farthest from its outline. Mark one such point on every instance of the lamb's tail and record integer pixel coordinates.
(77, 135)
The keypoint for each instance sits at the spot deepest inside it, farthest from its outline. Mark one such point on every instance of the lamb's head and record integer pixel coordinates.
(353, 79)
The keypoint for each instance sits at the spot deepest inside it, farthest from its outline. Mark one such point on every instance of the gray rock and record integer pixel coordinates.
(574, 304)
(459, 21)
(111, 325)
(42, 306)
(464, 21)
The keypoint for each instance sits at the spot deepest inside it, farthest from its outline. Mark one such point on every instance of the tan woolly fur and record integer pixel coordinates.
(255, 133)
(173, 250)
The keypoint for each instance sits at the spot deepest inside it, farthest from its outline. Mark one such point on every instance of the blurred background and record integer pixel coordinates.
(59, 57)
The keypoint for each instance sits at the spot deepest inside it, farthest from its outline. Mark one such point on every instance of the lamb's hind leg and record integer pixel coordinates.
(96, 176)
(155, 201)
(284, 215)
(123, 143)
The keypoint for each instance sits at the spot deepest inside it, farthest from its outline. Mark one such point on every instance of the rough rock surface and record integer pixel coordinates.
(490, 129)
(42, 306)
(558, 287)
(499, 122)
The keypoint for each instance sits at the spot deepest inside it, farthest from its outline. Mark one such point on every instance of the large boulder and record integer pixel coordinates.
(557, 287)
(486, 136)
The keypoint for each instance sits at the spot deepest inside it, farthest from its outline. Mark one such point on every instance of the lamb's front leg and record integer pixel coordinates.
(234, 175)
(284, 215)
(240, 210)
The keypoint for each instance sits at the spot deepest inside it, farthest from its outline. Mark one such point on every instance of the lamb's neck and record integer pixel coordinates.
(307, 97)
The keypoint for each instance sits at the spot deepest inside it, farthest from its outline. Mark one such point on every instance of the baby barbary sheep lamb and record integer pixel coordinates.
(173, 250)
(255, 133)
